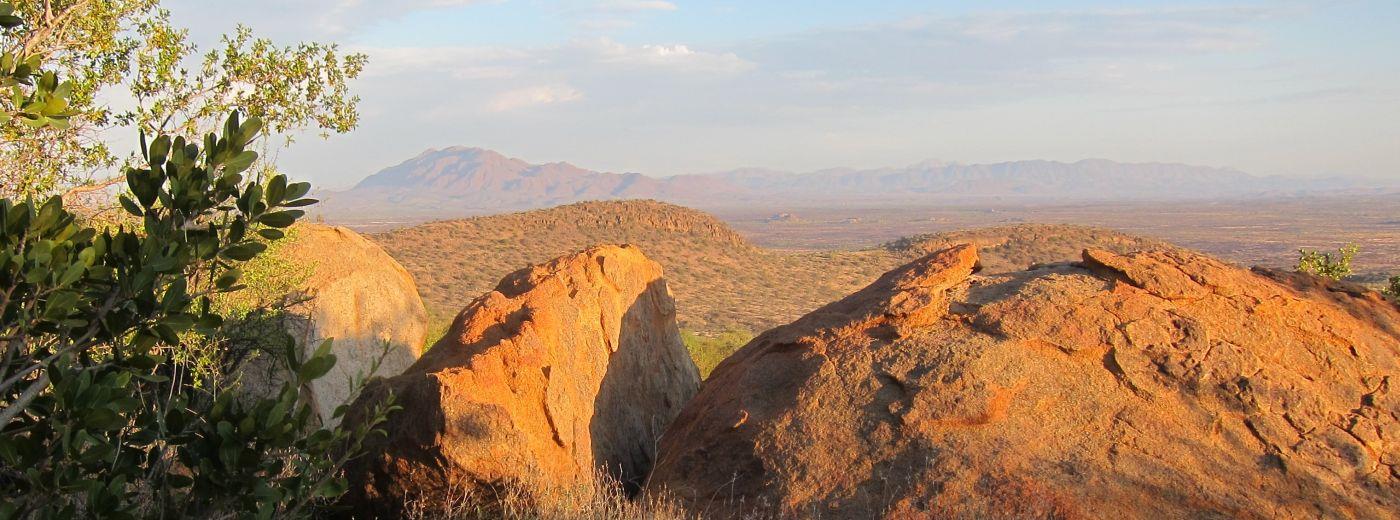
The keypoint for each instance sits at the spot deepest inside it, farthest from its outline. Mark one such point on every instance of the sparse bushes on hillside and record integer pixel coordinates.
(720, 281)
(1327, 265)
(1392, 289)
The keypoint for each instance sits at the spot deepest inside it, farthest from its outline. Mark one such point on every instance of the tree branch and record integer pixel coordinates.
(10, 412)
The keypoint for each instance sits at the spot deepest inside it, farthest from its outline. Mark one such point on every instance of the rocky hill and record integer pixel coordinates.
(1160, 384)
(1013, 248)
(462, 181)
(720, 281)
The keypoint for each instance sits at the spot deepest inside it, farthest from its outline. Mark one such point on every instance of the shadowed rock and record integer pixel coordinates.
(354, 294)
(1161, 384)
(566, 369)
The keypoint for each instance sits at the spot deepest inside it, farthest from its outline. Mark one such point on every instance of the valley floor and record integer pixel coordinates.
(1266, 232)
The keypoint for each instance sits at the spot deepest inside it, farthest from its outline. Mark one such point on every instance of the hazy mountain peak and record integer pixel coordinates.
(462, 151)
(460, 180)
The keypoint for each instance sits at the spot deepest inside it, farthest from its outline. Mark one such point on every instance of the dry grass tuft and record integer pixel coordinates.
(603, 499)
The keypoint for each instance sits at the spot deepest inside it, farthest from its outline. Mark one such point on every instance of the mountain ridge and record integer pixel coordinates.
(464, 181)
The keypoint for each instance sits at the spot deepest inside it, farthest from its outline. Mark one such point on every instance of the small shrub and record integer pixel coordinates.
(1392, 290)
(1327, 265)
(709, 350)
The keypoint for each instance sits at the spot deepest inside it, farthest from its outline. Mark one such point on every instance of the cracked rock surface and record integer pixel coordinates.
(567, 369)
(1160, 384)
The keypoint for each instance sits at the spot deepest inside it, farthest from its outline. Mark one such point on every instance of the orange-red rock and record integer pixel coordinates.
(1148, 385)
(566, 369)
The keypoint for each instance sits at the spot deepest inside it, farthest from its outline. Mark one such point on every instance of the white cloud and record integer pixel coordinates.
(626, 6)
(1006, 56)
(533, 96)
(676, 57)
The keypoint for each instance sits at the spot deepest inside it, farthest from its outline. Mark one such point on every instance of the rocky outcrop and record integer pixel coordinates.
(1161, 384)
(350, 291)
(1020, 246)
(568, 369)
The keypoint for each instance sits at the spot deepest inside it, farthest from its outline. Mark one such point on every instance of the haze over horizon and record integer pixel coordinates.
(1304, 88)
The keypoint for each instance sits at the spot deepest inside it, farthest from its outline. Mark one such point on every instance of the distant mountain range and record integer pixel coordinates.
(461, 181)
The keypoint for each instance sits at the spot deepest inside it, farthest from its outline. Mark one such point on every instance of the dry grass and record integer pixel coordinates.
(602, 499)
(721, 282)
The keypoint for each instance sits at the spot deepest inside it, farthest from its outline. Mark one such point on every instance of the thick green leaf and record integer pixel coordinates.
(240, 162)
(315, 367)
(298, 190)
(229, 278)
(244, 251)
(276, 190)
(324, 348)
(281, 219)
(299, 203)
(159, 150)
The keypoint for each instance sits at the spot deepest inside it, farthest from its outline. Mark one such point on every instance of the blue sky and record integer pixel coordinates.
(675, 86)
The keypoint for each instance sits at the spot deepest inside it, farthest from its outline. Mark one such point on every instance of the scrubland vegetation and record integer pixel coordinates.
(721, 282)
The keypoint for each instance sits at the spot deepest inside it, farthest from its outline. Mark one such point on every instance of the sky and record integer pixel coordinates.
(664, 87)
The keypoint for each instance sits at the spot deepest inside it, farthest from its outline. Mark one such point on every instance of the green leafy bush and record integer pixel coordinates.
(1327, 265)
(1392, 289)
(99, 414)
(106, 406)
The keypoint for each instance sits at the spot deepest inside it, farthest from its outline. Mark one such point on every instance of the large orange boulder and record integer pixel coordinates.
(568, 370)
(1147, 385)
